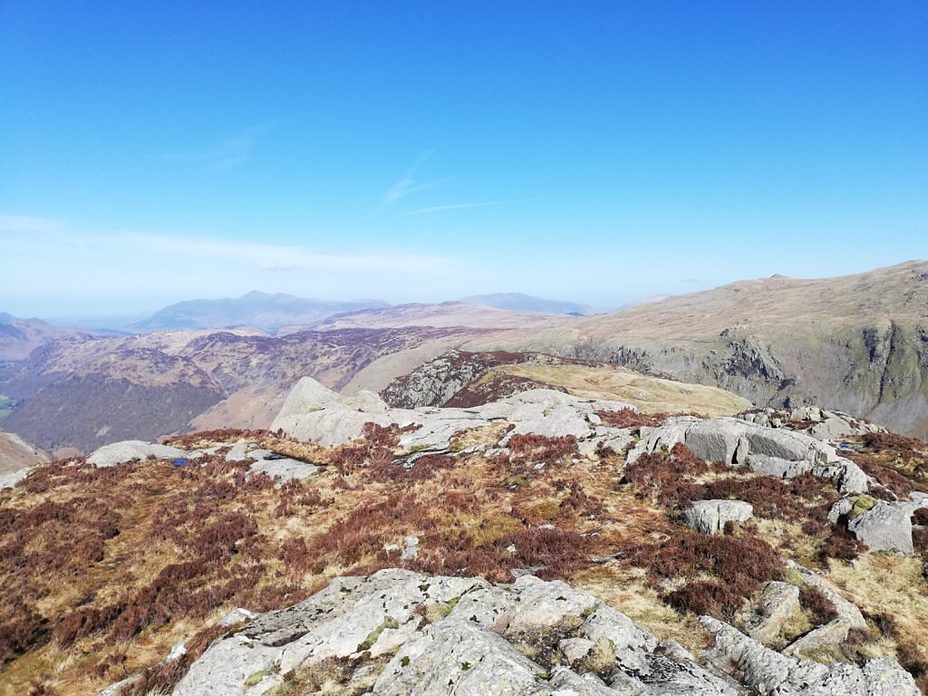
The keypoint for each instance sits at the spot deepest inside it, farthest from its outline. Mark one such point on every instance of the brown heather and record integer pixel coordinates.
(103, 570)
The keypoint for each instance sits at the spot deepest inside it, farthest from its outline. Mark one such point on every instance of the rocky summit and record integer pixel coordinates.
(540, 543)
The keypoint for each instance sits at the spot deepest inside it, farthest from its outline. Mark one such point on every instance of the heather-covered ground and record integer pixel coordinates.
(102, 571)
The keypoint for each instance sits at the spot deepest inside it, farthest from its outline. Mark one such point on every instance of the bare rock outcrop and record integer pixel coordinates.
(398, 632)
(316, 414)
(129, 450)
(887, 526)
(770, 451)
(710, 516)
(770, 673)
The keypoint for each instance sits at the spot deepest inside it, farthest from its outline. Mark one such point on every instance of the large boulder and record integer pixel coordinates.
(770, 451)
(887, 526)
(130, 450)
(710, 516)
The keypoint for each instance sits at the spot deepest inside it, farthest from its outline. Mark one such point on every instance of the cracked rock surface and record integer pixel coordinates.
(400, 632)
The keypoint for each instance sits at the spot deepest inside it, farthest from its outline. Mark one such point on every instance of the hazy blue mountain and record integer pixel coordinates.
(256, 309)
(519, 302)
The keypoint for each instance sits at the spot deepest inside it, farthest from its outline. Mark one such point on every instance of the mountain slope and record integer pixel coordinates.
(255, 309)
(19, 337)
(16, 453)
(855, 343)
(86, 392)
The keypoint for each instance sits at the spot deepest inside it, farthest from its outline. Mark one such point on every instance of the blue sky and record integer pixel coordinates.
(592, 151)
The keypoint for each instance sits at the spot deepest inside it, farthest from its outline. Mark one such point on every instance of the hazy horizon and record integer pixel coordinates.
(593, 153)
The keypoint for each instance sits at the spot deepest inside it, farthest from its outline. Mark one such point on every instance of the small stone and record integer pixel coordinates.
(575, 649)
(710, 516)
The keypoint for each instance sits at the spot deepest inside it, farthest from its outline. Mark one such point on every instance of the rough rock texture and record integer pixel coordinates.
(778, 604)
(11, 480)
(710, 516)
(122, 452)
(887, 526)
(819, 423)
(767, 450)
(486, 639)
(317, 414)
(832, 633)
(855, 343)
(405, 633)
(770, 673)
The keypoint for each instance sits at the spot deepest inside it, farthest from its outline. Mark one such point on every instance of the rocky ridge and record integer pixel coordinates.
(398, 632)
(541, 483)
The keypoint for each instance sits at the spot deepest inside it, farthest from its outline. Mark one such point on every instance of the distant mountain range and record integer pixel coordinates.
(255, 309)
(272, 312)
(519, 302)
(855, 343)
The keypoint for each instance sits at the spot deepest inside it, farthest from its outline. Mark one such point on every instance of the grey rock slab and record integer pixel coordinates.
(540, 605)
(770, 673)
(236, 616)
(770, 451)
(284, 469)
(13, 479)
(827, 635)
(225, 666)
(778, 603)
(887, 526)
(630, 643)
(129, 450)
(669, 677)
(454, 657)
(568, 683)
(841, 507)
(777, 466)
(710, 516)
(575, 649)
(317, 414)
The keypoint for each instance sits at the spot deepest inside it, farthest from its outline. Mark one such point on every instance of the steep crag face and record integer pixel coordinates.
(855, 343)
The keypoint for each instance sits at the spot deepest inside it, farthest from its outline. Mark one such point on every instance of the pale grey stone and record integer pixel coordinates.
(410, 548)
(284, 469)
(770, 673)
(236, 616)
(827, 635)
(129, 450)
(841, 507)
(454, 657)
(887, 526)
(710, 516)
(575, 649)
(778, 467)
(13, 479)
(777, 605)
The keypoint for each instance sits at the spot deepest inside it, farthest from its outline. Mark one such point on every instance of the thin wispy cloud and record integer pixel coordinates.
(228, 153)
(51, 236)
(408, 183)
(442, 208)
(28, 224)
